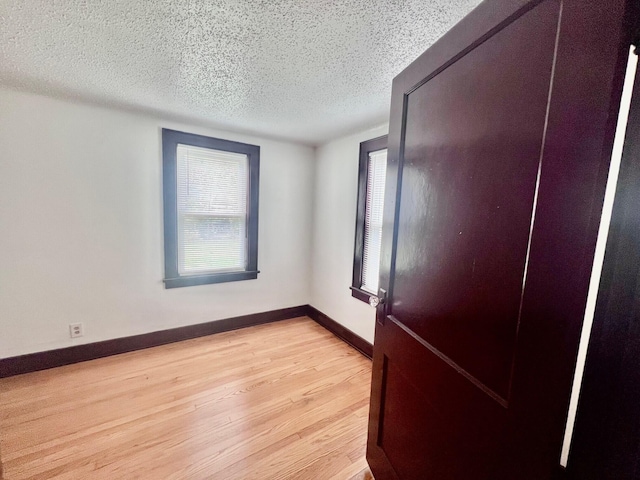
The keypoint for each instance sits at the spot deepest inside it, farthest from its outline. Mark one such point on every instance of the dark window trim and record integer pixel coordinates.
(366, 147)
(170, 140)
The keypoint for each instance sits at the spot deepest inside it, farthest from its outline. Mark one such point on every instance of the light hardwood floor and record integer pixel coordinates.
(286, 400)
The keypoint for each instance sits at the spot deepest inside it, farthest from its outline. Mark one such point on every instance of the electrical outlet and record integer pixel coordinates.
(76, 330)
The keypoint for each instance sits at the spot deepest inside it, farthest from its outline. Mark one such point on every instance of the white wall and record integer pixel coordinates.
(81, 227)
(335, 202)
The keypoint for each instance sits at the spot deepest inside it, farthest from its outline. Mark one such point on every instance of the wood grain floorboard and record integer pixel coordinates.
(285, 400)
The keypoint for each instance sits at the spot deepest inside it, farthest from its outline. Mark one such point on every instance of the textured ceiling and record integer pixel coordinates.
(303, 70)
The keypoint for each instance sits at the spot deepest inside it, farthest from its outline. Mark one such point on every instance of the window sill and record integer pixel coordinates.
(192, 280)
(360, 294)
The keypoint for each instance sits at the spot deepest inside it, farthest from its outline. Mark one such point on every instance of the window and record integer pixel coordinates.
(210, 209)
(366, 259)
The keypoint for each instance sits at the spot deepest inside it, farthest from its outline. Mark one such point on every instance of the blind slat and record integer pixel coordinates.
(376, 172)
(212, 210)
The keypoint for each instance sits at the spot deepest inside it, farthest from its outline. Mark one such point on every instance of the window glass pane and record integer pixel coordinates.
(376, 170)
(212, 210)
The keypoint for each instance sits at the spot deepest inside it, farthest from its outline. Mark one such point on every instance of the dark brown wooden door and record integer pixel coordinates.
(499, 146)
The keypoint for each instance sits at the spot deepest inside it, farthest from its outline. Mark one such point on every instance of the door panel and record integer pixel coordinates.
(461, 257)
(499, 143)
(416, 428)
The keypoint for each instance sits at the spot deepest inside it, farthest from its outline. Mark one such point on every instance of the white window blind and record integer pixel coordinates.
(212, 210)
(376, 171)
